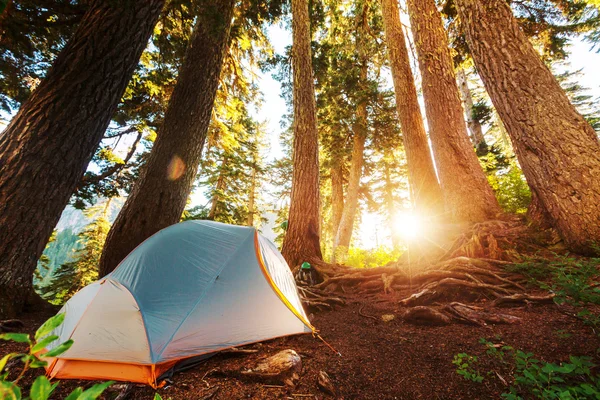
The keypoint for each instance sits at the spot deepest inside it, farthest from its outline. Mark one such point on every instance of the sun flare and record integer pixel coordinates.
(409, 225)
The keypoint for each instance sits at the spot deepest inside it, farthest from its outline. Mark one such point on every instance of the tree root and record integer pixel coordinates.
(11, 325)
(421, 315)
(457, 313)
(472, 268)
(522, 298)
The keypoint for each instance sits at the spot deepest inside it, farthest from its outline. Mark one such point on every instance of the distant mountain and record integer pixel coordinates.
(62, 249)
(75, 220)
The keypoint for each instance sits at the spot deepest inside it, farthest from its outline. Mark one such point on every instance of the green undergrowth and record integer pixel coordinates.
(527, 377)
(371, 258)
(574, 280)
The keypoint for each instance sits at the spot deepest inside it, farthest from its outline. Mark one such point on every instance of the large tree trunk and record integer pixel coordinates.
(426, 194)
(337, 197)
(344, 233)
(474, 126)
(47, 146)
(346, 225)
(557, 149)
(158, 198)
(302, 239)
(467, 194)
(389, 201)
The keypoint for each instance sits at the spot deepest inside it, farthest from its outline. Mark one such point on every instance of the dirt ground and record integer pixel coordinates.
(379, 360)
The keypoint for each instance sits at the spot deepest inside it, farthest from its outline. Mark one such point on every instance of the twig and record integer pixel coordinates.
(365, 315)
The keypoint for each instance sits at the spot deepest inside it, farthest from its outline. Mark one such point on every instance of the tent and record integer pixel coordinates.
(191, 289)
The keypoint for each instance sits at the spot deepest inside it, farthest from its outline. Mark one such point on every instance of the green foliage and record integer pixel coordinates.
(360, 258)
(42, 388)
(465, 367)
(533, 378)
(573, 280)
(507, 180)
(68, 278)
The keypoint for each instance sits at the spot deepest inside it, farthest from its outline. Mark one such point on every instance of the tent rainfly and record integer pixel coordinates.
(190, 290)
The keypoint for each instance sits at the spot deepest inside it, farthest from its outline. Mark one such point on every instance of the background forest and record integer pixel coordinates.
(429, 171)
(244, 177)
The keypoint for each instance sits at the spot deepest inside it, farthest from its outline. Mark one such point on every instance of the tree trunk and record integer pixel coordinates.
(538, 214)
(251, 200)
(343, 235)
(474, 126)
(337, 198)
(389, 202)
(467, 194)
(302, 240)
(557, 149)
(426, 194)
(346, 225)
(46, 148)
(219, 187)
(158, 198)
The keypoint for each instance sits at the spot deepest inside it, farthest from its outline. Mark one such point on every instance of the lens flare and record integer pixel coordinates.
(409, 225)
(175, 169)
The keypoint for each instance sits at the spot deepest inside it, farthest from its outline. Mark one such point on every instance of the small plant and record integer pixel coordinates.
(535, 379)
(574, 281)
(540, 380)
(464, 363)
(42, 388)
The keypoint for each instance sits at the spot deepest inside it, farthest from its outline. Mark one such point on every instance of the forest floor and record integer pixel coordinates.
(399, 328)
(379, 360)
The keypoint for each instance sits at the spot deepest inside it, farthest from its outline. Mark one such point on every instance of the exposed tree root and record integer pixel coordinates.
(522, 298)
(11, 325)
(472, 268)
(456, 313)
(420, 315)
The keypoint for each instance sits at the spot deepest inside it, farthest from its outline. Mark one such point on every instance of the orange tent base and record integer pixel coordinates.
(102, 370)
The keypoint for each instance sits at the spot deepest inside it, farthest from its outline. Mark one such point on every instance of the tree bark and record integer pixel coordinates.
(302, 239)
(252, 195)
(219, 187)
(557, 149)
(158, 198)
(389, 202)
(467, 99)
(337, 197)
(467, 194)
(426, 194)
(46, 148)
(344, 233)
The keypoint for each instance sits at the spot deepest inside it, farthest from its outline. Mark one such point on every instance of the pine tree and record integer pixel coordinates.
(302, 239)
(557, 149)
(359, 128)
(160, 194)
(425, 190)
(468, 196)
(70, 277)
(47, 146)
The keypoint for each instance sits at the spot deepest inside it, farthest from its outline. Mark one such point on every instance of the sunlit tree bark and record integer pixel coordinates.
(426, 194)
(468, 196)
(302, 239)
(467, 98)
(557, 149)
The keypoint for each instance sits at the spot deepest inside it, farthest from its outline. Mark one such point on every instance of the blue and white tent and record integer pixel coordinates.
(192, 289)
